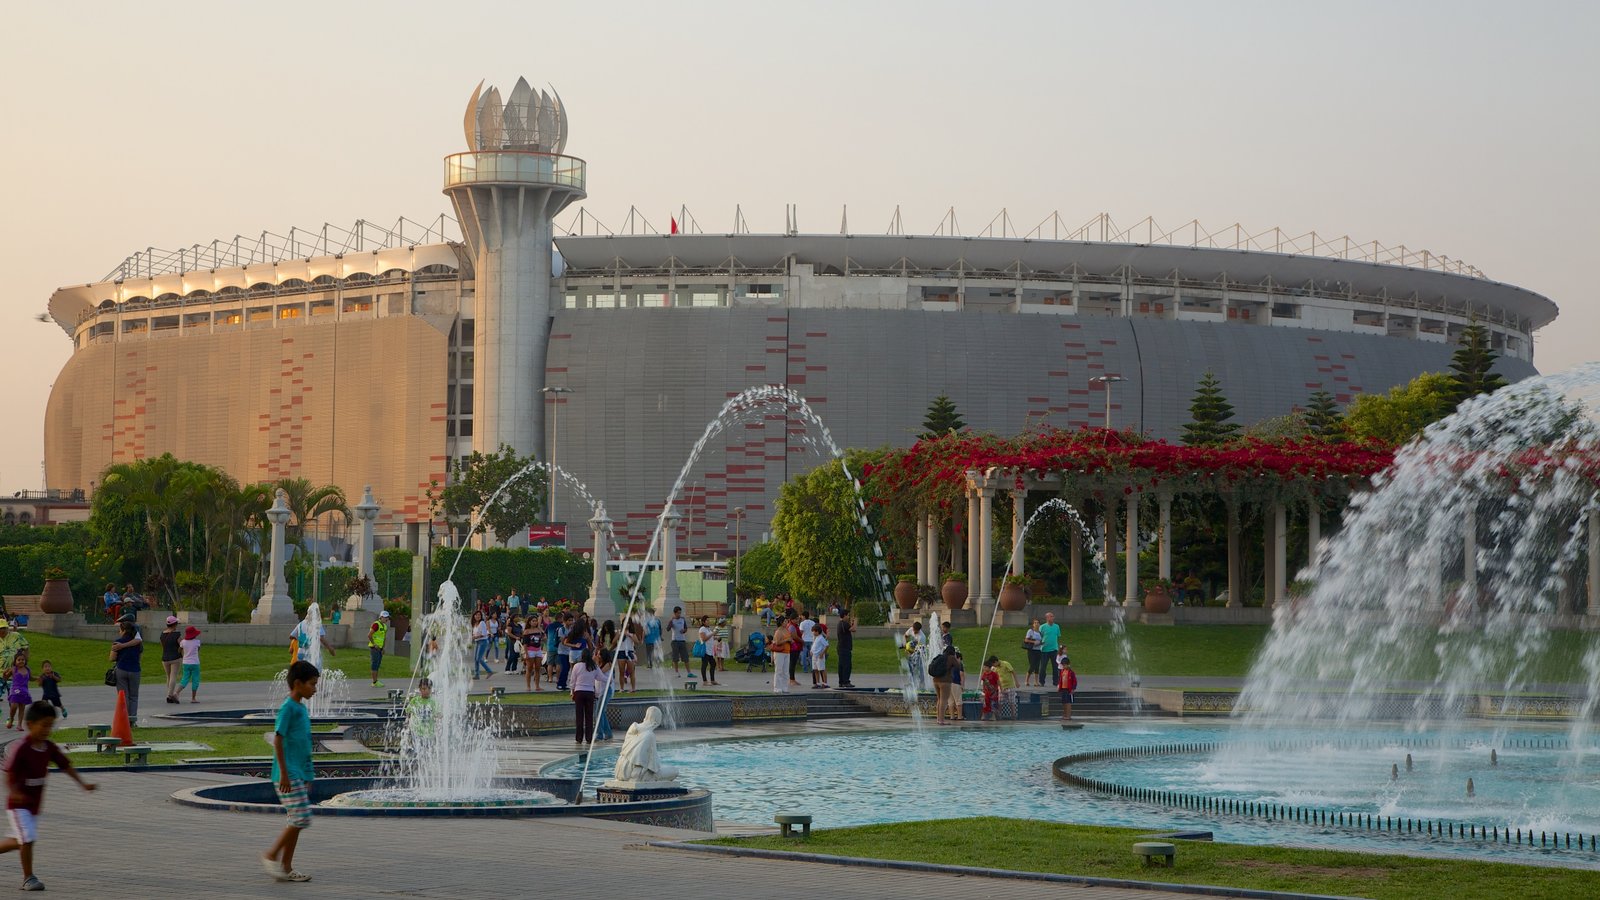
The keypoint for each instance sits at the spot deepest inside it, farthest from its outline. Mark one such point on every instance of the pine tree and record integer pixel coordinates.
(942, 418)
(1323, 418)
(1471, 368)
(1209, 412)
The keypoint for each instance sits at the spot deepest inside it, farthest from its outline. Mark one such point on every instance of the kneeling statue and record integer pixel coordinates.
(638, 764)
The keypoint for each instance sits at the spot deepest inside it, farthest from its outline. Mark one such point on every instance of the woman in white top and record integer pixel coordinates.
(1031, 642)
(480, 646)
(819, 660)
(708, 659)
(622, 664)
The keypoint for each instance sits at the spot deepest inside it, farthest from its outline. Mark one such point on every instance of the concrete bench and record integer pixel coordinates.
(788, 821)
(1156, 850)
(497, 693)
(396, 696)
(691, 684)
(97, 730)
(107, 744)
(135, 756)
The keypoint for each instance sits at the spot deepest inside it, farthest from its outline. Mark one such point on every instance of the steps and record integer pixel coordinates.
(1102, 704)
(830, 705)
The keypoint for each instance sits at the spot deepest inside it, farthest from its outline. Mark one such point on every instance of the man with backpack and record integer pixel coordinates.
(939, 670)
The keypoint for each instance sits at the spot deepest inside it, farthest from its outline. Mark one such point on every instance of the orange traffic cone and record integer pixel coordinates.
(120, 727)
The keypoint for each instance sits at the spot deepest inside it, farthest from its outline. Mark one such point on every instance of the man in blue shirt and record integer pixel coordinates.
(652, 637)
(1050, 644)
(292, 771)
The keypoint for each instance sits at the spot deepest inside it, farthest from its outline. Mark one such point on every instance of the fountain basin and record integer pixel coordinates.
(691, 811)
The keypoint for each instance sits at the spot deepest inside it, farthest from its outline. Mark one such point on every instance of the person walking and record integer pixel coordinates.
(585, 678)
(292, 771)
(708, 651)
(515, 631)
(50, 685)
(125, 653)
(190, 645)
(1031, 642)
(377, 638)
(492, 621)
(480, 646)
(171, 656)
(780, 648)
(845, 639)
(652, 637)
(625, 667)
(1049, 645)
(18, 694)
(27, 764)
(678, 631)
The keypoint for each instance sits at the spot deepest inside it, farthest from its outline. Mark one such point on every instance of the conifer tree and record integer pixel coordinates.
(1323, 418)
(1209, 413)
(942, 418)
(1471, 368)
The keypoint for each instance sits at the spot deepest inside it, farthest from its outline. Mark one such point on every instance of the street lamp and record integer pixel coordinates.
(555, 419)
(1105, 382)
(738, 519)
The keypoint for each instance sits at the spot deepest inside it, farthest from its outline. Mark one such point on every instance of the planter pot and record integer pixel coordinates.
(905, 595)
(954, 594)
(57, 597)
(399, 627)
(1013, 597)
(1158, 602)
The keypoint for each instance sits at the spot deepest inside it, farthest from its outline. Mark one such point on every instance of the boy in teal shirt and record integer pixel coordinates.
(292, 772)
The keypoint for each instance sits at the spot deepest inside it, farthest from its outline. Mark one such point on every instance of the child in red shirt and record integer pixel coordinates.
(990, 682)
(1068, 684)
(27, 764)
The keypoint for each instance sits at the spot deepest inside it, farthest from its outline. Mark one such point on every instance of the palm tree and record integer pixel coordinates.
(307, 503)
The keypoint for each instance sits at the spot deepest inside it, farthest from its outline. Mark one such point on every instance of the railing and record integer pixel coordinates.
(271, 247)
(513, 167)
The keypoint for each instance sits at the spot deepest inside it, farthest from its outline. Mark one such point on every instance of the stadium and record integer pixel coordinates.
(374, 355)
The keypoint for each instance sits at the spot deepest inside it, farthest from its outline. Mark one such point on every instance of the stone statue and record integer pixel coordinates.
(638, 764)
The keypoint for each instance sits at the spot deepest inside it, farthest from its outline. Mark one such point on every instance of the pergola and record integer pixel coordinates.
(928, 482)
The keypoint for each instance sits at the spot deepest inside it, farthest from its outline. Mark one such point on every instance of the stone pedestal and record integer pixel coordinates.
(149, 620)
(275, 607)
(366, 512)
(601, 603)
(360, 622)
(1157, 619)
(959, 618)
(667, 595)
(629, 791)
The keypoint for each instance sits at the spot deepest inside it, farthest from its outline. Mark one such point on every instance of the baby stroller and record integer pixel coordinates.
(754, 654)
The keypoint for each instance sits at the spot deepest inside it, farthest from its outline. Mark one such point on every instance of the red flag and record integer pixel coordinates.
(674, 225)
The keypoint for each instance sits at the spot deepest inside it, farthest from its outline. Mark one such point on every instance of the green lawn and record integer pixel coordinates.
(520, 698)
(83, 661)
(1107, 853)
(1218, 650)
(244, 740)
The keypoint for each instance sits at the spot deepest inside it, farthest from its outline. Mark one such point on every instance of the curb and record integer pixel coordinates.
(1202, 890)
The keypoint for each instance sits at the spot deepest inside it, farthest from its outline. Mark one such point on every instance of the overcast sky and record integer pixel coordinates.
(1470, 129)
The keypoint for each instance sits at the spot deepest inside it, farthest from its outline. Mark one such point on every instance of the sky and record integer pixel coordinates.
(1470, 129)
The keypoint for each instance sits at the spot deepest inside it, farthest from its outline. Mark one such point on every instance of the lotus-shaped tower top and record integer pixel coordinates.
(527, 120)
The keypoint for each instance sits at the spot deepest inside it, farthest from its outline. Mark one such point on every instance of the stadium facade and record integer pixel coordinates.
(374, 355)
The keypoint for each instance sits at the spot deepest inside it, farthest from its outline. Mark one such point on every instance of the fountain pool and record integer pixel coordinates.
(903, 775)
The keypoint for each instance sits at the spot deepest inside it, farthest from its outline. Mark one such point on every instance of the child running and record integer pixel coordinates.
(292, 772)
(27, 764)
(50, 681)
(19, 677)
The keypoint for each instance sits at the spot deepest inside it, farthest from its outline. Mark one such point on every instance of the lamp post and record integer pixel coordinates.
(1105, 382)
(738, 519)
(552, 393)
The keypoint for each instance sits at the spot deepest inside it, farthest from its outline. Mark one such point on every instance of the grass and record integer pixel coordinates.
(1107, 853)
(227, 741)
(1222, 651)
(548, 696)
(83, 661)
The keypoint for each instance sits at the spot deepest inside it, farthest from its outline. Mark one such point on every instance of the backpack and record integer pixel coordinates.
(939, 666)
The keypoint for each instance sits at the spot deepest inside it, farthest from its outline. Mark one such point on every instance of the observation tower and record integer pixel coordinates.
(506, 189)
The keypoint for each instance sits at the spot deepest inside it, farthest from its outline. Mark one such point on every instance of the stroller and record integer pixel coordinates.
(754, 654)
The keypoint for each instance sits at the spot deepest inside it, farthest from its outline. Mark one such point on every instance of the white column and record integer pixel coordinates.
(667, 593)
(1313, 529)
(974, 530)
(1109, 544)
(933, 550)
(1280, 550)
(367, 512)
(1469, 556)
(1164, 558)
(1130, 570)
(922, 550)
(1019, 508)
(1235, 576)
(1075, 574)
(275, 607)
(986, 541)
(1594, 562)
(602, 603)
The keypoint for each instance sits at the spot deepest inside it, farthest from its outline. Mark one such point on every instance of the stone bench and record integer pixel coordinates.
(107, 744)
(690, 684)
(97, 730)
(1156, 850)
(396, 696)
(136, 755)
(497, 693)
(788, 821)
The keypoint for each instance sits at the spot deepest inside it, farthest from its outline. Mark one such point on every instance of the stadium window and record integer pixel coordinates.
(359, 304)
(450, 428)
(465, 430)
(1286, 310)
(228, 318)
(605, 301)
(762, 291)
(570, 301)
(465, 390)
(289, 312)
(707, 298)
(322, 307)
(467, 332)
(260, 314)
(135, 326)
(467, 360)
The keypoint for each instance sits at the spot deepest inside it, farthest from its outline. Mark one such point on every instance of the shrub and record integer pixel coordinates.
(907, 579)
(1020, 581)
(54, 573)
(549, 572)
(954, 576)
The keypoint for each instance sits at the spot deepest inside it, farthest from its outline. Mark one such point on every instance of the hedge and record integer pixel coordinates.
(551, 572)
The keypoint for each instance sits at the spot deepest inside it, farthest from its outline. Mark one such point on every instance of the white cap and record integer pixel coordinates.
(384, 614)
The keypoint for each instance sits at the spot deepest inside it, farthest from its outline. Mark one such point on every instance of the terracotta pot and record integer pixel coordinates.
(1157, 602)
(905, 594)
(57, 597)
(954, 594)
(1013, 597)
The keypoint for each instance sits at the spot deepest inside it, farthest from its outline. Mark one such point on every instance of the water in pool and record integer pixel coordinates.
(890, 776)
